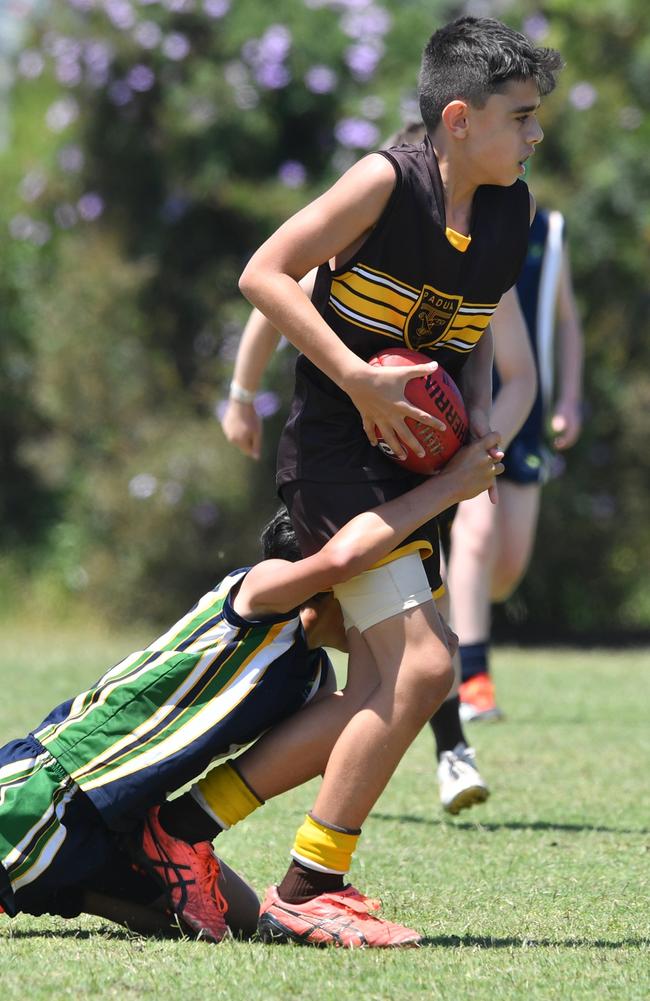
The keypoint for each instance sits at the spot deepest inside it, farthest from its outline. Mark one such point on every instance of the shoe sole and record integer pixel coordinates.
(467, 798)
(273, 932)
(468, 715)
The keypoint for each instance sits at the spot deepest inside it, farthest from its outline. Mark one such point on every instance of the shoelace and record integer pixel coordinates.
(210, 875)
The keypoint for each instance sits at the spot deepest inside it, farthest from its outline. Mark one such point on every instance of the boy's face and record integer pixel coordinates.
(503, 134)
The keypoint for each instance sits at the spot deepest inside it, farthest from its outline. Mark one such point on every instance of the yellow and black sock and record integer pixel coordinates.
(322, 855)
(214, 804)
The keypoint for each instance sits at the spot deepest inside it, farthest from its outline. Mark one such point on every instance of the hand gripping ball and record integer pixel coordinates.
(438, 394)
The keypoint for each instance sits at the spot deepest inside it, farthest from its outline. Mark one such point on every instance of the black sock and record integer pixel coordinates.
(474, 659)
(447, 727)
(183, 818)
(301, 883)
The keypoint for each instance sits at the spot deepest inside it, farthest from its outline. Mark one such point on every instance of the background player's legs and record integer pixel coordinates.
(474, 545)
(460, 783)
(517, 514)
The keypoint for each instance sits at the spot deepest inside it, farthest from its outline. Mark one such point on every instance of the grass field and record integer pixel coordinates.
(542, 893)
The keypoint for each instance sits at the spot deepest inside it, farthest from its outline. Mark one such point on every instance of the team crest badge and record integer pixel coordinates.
(430, 318)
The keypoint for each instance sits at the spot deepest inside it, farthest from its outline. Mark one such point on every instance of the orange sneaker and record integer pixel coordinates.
(477, 701)
(341, 919)
(188, 874)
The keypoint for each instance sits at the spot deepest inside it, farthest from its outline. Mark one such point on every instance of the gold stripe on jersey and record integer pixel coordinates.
(469, 324)
(160, 745)
(373, 300)
(421, 546)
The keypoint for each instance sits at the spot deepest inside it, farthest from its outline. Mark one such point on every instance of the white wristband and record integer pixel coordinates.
(240, 394)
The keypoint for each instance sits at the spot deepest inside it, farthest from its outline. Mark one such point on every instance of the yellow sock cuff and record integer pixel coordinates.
(226, 795)
(322, 848)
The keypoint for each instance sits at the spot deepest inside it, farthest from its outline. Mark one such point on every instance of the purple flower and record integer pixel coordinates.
(216, 8)
(31, 64)
(71, 159)
(61, 114)
(365, 23)
(148, 34)
(121, 13)
(65, 215)
(320, 79)
(83, 5)
(246, 98)
(275, 43)
(97, 56)
(176, 46)
(33, 185)
(267, 404)
(363, 58)
(536, 26)
(68, 72)
(583, 95)
(272, 76)
(120, 93)
(356, 133)
(22, 227)
(205, 514)
(143, 486)
(292, 173)
(90, 206)
(141, 78)
(180, 6)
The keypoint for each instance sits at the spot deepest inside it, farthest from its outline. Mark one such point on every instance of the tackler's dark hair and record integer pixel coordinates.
(278, 538)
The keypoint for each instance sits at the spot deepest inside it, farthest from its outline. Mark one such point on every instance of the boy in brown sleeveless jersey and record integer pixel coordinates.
(415, 247)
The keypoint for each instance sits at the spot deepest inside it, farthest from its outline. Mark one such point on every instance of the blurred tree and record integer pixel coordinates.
(178, 134)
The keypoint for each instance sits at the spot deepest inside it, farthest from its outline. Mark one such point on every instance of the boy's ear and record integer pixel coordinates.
(455, 118)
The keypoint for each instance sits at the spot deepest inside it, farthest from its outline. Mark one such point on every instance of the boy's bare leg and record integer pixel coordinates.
(517, 514)
(298, 749)
(415, 674)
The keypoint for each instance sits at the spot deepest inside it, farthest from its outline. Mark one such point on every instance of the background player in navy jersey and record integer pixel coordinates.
(415, 246)
(74, 791)
(491, 547)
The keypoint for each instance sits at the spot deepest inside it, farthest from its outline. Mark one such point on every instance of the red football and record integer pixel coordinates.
(439, 395)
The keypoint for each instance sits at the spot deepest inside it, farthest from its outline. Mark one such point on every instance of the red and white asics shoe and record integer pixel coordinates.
(188, 874)
(343, 919)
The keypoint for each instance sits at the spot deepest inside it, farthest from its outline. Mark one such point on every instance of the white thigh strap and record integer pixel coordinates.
(383, 592)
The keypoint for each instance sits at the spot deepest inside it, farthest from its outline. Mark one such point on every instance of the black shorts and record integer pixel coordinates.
(319, 510)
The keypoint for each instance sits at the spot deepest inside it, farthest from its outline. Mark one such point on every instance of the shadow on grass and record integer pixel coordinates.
(485, 942)
(84, 934)
(508, 825)
(435, 942)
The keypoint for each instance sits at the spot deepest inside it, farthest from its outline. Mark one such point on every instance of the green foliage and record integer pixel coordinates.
(154, 147)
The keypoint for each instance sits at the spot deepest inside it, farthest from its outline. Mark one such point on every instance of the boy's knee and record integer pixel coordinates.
(424, 686)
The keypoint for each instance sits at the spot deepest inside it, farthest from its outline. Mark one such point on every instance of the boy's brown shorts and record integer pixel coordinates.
(319, 510)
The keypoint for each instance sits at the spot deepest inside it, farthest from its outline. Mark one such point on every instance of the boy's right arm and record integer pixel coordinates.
(241, 423)
(332, 228)
(278, 586)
